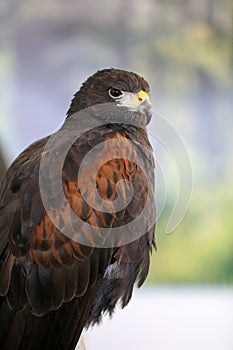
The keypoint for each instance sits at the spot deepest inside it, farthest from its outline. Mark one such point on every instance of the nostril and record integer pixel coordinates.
(140, 99)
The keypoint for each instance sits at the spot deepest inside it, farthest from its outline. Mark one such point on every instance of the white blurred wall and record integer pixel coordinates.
(173, 318)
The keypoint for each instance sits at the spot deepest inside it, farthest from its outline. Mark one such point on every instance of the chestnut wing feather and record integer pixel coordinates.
(41, 269)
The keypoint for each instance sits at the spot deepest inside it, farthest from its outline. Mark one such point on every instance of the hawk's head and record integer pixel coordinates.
(124, 88)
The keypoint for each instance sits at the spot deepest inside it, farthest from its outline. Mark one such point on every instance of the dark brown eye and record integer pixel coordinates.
(115, 92)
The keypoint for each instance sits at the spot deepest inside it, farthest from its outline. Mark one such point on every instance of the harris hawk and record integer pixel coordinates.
(56, 281)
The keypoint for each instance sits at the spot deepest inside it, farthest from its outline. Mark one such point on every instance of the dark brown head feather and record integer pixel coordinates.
(95, 89)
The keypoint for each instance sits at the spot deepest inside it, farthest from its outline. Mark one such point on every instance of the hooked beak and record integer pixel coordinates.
(138, 102)
(145, 106)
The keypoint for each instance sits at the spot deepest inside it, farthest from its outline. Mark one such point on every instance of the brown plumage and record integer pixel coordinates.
(51, 286)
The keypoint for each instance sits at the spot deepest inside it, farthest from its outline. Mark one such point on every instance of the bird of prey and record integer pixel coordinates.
(53, 284)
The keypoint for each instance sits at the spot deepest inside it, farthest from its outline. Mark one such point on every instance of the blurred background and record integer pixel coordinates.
(184, 49)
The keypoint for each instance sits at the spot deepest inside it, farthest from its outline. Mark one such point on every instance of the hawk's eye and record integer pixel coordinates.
(115, 92)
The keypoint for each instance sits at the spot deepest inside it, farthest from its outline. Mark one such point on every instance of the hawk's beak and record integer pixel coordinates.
(145, 105)
(138, 102)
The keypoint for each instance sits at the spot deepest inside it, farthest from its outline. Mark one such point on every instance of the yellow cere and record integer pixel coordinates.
(142, 95)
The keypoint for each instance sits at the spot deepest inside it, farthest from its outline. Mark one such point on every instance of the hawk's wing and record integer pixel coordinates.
(49, 282)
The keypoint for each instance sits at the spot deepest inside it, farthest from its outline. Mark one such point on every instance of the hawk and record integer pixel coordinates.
(55, 281)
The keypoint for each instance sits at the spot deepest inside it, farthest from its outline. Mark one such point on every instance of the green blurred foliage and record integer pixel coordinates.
(200, 250)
